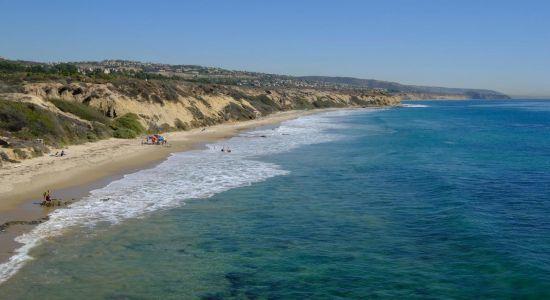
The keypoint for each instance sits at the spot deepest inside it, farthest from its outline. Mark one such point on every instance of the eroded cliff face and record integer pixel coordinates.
(183, 105)
(32, 121)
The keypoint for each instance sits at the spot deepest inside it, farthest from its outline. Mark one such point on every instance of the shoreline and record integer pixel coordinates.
(94, 165)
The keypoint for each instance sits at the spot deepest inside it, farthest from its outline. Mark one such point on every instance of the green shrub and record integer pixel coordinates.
(323, 102)
(9, 66)
(263, 103)
(302, 103)
(81, 110)
(91, 137)
(101, 130)
(127, 126)
(237, 95)
(124, 133)
(26, 121)
(65, 69)
(358, 101)
(196, 112)
(204, 101)
(234, 111)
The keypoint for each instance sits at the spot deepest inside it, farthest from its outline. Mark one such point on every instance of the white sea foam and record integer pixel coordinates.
(183, 176)
(414, 105)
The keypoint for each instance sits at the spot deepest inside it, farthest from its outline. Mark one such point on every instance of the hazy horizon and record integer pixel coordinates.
(496, 45)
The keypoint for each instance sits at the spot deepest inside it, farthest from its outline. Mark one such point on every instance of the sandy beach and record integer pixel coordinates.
(92, 165)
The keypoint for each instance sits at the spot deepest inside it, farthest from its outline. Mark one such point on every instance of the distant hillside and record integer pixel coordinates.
(12, 71)
(394, 87)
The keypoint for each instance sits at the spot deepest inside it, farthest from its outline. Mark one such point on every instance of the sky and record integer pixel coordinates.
(501, 45)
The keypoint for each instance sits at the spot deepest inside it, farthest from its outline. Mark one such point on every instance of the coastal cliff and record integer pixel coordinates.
(55, 114)
(44, 106)
(171, 104)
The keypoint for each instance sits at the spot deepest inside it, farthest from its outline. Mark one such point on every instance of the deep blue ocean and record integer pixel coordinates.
(439, 200)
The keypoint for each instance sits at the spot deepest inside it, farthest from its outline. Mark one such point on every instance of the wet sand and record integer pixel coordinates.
(93, 165)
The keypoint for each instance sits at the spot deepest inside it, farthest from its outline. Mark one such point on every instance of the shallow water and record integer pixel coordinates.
(438, 200)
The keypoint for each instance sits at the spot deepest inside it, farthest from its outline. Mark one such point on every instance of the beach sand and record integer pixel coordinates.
(93, 165)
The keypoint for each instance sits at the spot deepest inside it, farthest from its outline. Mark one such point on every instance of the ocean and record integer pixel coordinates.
(435, 200)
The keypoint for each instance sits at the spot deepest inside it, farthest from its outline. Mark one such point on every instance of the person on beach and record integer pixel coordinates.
(62, 153)
(48, 197)
(224, 149)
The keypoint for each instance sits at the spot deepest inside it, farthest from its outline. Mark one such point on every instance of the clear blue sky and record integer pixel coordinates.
(501, 45)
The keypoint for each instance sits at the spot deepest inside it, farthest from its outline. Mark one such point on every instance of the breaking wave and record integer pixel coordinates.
(183, 176)
(414, 105)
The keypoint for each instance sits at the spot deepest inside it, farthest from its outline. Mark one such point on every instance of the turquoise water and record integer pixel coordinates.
(447, 201)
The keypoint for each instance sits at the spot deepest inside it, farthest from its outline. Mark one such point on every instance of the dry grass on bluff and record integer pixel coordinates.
(28, 129)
